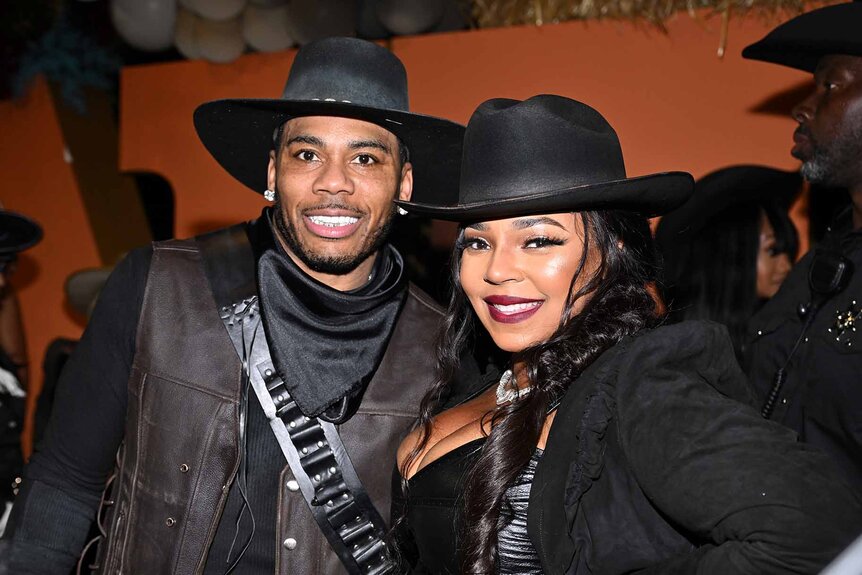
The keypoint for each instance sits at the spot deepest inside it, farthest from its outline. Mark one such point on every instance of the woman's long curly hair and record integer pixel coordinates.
(618, 300)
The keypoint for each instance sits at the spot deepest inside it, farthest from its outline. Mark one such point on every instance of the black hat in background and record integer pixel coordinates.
(17, 233)
(802, 41)
(343, 77)
(723, 189)
(548, 154)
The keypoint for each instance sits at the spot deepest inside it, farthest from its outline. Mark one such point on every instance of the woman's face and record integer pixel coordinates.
(772, 266)
(517, 273)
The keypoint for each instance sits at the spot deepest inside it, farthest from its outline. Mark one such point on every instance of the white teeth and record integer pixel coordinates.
(515, 307)
(333, 221)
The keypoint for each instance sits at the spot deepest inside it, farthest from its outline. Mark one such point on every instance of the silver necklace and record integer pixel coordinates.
(507, 389)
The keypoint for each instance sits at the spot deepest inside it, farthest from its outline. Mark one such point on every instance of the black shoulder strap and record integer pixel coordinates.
(312, 447)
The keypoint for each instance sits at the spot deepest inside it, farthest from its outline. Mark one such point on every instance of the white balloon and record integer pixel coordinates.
(145, 24)
(265, 29)
(313, 19)
(186, 34)
(405, 17)
(220, 42)
(218, 10)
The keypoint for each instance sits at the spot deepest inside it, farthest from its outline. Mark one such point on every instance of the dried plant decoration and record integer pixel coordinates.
(496, 13)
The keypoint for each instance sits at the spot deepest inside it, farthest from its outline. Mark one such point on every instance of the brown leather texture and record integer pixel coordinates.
(182, 429)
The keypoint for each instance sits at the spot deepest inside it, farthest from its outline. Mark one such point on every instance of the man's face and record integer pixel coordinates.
(829, 137)
(335, 179)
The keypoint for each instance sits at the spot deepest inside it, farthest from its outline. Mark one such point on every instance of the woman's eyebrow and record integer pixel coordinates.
(523, 223)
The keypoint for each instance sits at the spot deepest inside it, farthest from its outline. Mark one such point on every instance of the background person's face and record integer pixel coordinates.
(517, 273)
(829, 137)
(772, 266)
(335, 179)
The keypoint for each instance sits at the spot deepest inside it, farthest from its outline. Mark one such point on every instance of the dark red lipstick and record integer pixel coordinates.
(502, 308)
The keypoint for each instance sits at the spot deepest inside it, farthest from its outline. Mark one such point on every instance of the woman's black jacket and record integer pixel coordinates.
(658, 462)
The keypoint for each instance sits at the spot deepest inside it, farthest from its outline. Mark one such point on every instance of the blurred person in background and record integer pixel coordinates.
(728, 249)
(17, 233)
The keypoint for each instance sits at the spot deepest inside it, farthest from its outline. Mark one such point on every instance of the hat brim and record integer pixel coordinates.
(650, 195)
(17, 233)
(239, 135)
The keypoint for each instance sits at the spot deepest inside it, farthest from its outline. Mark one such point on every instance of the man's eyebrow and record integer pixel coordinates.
(304, 139)
(524, 223)
(373, 143)
(478, 226)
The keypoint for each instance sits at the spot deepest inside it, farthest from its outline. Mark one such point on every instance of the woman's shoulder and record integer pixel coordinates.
(700, 349)
(694, 342)
(686, 355)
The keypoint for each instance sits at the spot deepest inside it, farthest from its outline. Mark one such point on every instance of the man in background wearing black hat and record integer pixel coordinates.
(806, 355)
(17, 233)
(293, 337)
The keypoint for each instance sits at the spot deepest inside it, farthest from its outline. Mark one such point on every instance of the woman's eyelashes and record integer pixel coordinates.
(543, 242)
(475, 243)
(531, 242)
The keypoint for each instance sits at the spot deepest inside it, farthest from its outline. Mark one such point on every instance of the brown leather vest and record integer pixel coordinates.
(180, 448)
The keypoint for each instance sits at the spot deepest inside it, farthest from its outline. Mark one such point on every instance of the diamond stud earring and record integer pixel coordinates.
(269, 195)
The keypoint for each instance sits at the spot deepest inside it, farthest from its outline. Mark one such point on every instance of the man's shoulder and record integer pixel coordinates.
(420, 302)
(193, 242)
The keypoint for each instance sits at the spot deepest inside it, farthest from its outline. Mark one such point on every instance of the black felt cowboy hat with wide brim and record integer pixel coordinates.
(17, 233)
(726, 188)
(801, 42)
(344, 77)
(548, 154)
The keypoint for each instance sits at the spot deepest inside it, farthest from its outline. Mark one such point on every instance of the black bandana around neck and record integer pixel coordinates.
(326, 344)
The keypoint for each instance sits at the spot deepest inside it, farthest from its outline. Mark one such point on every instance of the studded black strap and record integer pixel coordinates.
(317, 458)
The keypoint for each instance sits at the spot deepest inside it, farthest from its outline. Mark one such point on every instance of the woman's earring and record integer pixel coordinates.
(402, 211)
(269, 195)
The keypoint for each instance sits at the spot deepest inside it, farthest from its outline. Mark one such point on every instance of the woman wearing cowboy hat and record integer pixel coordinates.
(611, 444)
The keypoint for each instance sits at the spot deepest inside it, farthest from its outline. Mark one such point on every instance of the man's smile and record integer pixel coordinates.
(331, 223)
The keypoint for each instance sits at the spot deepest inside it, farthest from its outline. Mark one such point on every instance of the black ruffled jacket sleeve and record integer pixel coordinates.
(749, 497)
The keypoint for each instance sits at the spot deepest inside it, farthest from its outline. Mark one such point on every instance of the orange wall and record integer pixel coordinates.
(40, 183)
(675, 104)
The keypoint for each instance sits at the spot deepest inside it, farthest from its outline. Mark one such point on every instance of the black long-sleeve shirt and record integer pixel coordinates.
(67, 473)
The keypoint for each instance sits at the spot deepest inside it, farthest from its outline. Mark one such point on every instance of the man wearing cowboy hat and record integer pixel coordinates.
(806, 349)
(259, 378)
(17, 233)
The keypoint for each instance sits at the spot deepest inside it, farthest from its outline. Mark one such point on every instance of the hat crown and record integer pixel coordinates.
(802, 41)
(348, 70)
(517, 148)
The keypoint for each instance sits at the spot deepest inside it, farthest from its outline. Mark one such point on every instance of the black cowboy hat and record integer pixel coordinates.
(723, 189)
(17, 233)
(548, 154)
(802, 41)
(344, 77)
